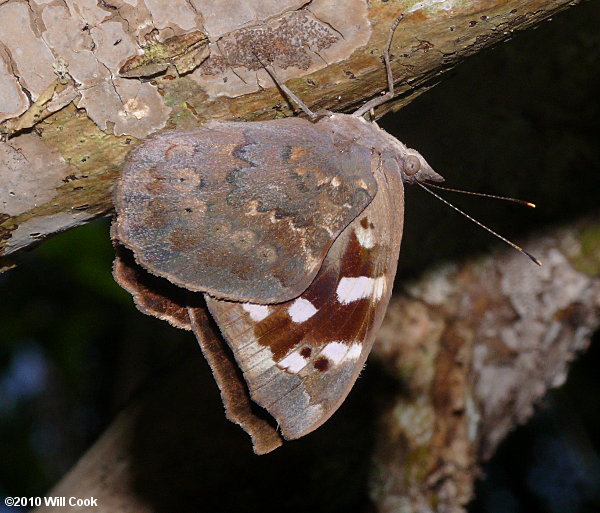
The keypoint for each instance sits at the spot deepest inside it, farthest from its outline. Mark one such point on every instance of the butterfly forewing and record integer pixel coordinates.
(300, 358)
(243, 211)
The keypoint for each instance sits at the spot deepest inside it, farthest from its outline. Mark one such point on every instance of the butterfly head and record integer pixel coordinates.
(414, 168)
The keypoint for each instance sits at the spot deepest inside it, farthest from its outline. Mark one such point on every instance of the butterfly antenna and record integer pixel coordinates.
(512, 244)
(483, 195)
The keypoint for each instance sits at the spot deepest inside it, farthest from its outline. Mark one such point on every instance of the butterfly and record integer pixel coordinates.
(276, 243)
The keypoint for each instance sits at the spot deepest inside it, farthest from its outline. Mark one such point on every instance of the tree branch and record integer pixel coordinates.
(63, 148)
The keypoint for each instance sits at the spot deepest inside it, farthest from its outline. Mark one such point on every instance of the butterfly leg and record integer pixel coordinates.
(376, 102)
(312, 115)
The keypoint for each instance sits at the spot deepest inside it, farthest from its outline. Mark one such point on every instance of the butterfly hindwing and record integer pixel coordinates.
(243, 211)
(187, 310)
(152, 295)
(300, 358)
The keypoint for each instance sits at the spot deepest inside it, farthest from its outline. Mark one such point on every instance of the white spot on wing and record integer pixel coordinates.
(353, 289)
(257, 312)
(338, 352)
(335, 351)
(301, 310)
(293, 362)
(354, 352)
(379, 287)
(365, 236)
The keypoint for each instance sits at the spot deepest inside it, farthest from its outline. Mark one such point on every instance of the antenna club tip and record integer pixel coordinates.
(535, 260)
(529, 204)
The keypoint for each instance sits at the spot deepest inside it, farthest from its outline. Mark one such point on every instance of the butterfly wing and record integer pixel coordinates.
(243, 211)
(152, 295)
(184, 309)
(300, 358)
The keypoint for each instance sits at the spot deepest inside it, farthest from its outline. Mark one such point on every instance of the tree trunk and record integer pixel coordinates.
(90, 81)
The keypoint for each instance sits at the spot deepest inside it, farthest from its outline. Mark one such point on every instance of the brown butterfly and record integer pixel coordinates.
(285, 232)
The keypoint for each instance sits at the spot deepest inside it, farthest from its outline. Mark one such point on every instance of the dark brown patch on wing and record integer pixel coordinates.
(333, 320)
(268, 332)
(321, 364)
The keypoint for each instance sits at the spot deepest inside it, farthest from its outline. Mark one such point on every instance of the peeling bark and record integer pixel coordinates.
(84, 110)
(468, 378)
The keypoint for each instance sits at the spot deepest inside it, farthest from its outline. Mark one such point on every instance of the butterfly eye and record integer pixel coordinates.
(412, 165)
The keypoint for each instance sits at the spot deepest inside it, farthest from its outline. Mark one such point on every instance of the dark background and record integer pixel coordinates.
(521, 120)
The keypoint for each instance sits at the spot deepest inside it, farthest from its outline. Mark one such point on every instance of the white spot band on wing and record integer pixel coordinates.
(365, 236)
(301, 310)
(338, 352)
(354, 352)
(257, 312)
(362, 287)
(335, 351)
(293, 362)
